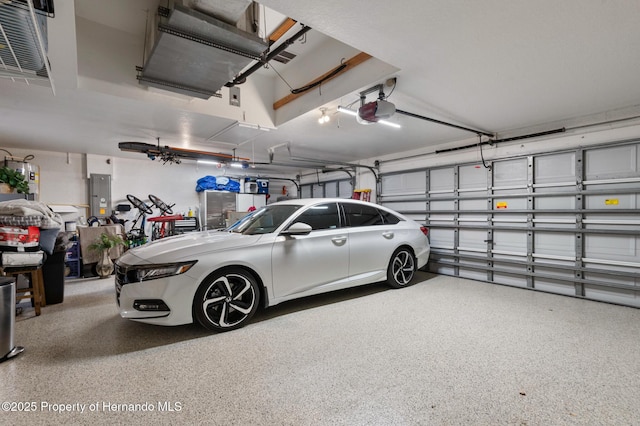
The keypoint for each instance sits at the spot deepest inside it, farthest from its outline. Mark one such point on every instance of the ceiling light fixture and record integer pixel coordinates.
(213, 163)
(347, 111)
(324, 118)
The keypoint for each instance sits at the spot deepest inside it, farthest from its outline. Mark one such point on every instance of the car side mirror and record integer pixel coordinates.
(298, 228)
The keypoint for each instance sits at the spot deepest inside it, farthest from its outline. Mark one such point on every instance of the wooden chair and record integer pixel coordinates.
(35, 291)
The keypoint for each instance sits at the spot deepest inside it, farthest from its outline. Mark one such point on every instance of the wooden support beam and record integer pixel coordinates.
(356, 60)
(281, 30)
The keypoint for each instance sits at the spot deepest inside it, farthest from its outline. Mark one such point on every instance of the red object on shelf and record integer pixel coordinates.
(362, 194)
(166, 218)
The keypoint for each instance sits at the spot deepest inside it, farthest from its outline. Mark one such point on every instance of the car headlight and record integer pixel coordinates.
(138, 273)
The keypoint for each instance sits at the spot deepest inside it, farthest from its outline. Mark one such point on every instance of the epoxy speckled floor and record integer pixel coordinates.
(445, 351)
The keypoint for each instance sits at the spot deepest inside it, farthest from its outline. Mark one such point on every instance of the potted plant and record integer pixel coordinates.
(13, 180)
(103, 244)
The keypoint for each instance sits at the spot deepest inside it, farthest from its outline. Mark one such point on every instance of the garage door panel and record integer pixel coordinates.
(556, 202)
(406, 183)
(345, 189)
(510, 279)
(510, 173)
(434, 206)
(574, 214)
(554, 244)
(472, 239)
(441, 180)
(612, 247)
(475, 204)
(613, 201)
(505, 242)
(612, 162)
(441, 238)
(331, 189)
(554, 169)
(613, 279)
(555, 286)
(415, 206)
(318, 190)
(474, 270)
(503, 207)
(612, 295)
(472, 177)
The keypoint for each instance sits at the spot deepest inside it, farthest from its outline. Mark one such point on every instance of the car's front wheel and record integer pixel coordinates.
(226, 300)
(401, 268)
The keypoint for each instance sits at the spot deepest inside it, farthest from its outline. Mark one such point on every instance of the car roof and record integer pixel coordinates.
(311, 201)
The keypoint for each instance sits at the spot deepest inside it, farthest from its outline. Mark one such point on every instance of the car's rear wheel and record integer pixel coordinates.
(401, 268)
(226, 300)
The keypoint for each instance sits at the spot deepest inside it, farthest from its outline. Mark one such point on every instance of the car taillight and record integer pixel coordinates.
(425, 230)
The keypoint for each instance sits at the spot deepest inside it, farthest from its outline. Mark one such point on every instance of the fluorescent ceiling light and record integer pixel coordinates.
(347, 111)
(389, 123)
(213, 163)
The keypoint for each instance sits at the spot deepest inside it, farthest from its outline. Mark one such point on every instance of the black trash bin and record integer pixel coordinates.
(53, 277)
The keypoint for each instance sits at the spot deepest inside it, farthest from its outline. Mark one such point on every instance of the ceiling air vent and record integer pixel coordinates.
(284, 57)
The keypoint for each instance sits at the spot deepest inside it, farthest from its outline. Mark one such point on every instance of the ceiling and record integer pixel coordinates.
(502, 67)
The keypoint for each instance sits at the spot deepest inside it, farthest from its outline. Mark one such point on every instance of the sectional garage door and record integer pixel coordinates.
(564, 222)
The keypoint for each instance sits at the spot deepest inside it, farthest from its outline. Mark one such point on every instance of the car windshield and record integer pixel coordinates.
(264, 220)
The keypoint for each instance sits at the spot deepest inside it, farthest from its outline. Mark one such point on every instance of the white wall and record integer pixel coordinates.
(64, 179)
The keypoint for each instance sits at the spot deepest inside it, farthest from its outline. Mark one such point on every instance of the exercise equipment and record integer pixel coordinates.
(163, 225)
(136, 235)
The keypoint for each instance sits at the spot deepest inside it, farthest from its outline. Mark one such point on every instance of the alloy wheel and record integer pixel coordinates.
(401, 269)
(227, 302)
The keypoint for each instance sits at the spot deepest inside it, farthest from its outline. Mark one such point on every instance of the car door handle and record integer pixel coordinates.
(387, 235)
(339, 241)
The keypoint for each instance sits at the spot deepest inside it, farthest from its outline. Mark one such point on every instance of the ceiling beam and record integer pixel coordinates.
(350, 63)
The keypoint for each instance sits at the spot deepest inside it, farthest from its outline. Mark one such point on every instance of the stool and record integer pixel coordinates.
(36, 285)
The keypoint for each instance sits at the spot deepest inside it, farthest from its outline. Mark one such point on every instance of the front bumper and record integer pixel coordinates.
(163, 301)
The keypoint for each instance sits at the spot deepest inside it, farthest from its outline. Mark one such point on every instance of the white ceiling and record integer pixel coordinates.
(505, 67)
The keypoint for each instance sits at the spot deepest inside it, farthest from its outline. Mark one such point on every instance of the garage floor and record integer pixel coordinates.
(445, 351)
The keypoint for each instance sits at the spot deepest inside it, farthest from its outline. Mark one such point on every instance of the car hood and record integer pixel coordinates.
(188, 246)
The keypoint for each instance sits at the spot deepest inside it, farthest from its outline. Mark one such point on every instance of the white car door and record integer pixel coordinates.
(313, 263)
(372, 240)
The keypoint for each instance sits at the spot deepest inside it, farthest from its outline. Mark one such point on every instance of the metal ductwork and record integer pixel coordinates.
(226, 11)
(196, 53)
(23, 39)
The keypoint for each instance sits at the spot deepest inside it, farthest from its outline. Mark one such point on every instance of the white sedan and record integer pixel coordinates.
(283, 251)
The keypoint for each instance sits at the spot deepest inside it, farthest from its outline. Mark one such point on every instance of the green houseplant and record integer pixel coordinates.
(103, 244)
(14, 179)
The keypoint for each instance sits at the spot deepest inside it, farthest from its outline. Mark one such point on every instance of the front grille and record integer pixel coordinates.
(121, 279)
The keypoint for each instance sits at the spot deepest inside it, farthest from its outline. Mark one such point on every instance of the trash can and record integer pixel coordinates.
(7, 319)
(53, 278)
